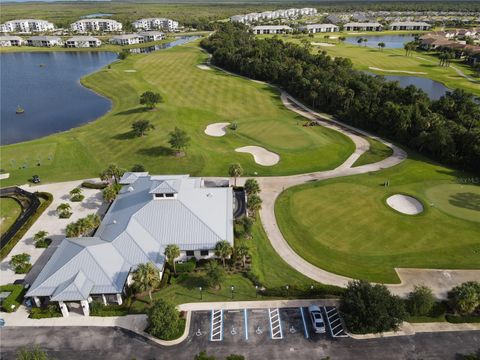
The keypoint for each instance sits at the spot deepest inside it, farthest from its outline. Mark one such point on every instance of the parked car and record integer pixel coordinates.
(35, 179)
(317, 319)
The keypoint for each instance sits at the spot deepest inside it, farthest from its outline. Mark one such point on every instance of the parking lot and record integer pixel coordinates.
(261, 326)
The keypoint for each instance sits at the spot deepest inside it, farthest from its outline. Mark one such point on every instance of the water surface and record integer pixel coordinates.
(391, 41)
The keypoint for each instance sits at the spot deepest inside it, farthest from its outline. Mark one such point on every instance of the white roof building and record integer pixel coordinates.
(155, 24)
(82, 42)
(152, 35)
(27, 26)
(149, 213)
(367, 26)
(96, 25)
(127, 39)
(10, 41)
(409, 25)
(318, 28)
(271, 15)
(44, 41)
(271, 29)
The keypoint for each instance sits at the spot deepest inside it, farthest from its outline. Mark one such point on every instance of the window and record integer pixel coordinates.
(203, 252)
(190, 253)
(169, 195)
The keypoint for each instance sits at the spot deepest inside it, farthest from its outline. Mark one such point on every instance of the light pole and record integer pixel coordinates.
(233, 289)
(256, 291)
(286, 287)
(201, 294)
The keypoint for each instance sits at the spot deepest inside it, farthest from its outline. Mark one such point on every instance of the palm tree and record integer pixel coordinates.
(72, 230)
(223, 249)
(172, 252)
(242, 252)
(93, 221)
(254, 203)
(360, 41)
(381, 45)
(64, 210)
(146, 278)
(109, 193)
(235, 170)
(40, 236)
(365, 41)
(112, 172)
(251, 187)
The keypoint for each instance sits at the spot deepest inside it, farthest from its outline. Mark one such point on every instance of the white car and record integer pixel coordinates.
(317, 319)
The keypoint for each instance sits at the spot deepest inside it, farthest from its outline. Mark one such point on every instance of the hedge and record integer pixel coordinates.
(15, 298)
(98, 309)
(458, 319)
(187, 266)
(94, 185)
(50, 311)
(15, 239)
(304, 292)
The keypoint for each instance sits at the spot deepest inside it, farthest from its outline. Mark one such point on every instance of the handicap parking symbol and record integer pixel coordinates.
(199, 333)
(259, 330)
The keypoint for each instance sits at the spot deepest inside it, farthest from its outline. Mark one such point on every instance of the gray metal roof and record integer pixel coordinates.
(136, 230)
(83, 38)
(45, 37)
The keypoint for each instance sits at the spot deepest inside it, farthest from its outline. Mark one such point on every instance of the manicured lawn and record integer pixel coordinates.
(193, 98)
(377, 152)
(344, 225)
(10, 209)
(394, 59)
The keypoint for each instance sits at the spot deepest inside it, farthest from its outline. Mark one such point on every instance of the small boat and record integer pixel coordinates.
(42, 65)
(19, 110)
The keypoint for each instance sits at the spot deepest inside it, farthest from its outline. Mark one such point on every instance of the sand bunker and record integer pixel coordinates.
(204, 67)
(261, 155)
(405, 204)
(217, 129)
(398, 71)
(130, 70)
(322, 44)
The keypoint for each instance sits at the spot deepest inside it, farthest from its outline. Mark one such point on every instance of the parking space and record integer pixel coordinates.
(258, 326)
(234, 326)
(295, 323)
(334, 322)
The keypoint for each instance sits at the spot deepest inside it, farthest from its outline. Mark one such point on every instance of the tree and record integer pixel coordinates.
(214, 274)
(242, 252)
(203, 356)
(72, 230)
(172, 252)
(112, 172)
(64, 211)
(365, 41)
(381, 45)
(235, 357)
(140, 127)
(360, 41)
(41, 240)
(235, 170)
(179, 140)
(150, 99)
(32, 354)
(163, 320)
(223, 249)
(465, 298)
(109, 193)
(138, 168)
(342, 39)
(420, 301)
(93, 221)
(247, 226)
(368, 308)
(251, 187)
(20, 263)
(122, 55)
(76, 195)
(254, 204)
(146, 278)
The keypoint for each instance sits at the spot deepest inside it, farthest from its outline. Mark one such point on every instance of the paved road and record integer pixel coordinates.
(116, 343)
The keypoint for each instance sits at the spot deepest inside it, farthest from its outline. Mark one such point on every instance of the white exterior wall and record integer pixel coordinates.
(92, 25)
(44, 43)
(27, 26)
(155, 23)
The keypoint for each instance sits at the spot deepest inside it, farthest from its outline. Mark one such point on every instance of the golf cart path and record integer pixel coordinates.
(439, 280)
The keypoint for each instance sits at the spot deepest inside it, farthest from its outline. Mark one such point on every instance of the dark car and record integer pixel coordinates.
(35, 179)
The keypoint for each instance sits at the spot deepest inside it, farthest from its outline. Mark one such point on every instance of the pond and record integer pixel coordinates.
(99, 15)
(434, 89)
(180, 40)
(390, 41)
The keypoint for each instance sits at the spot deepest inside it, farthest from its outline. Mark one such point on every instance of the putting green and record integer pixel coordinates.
(10, 210)
(459, 200)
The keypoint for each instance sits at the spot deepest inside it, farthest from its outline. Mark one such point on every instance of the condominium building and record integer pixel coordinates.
(149, 36)
(127, 39)
(271, 29)
(409, 25)
(96, 25)
(82, 42)
(355, 26)
(319, 28)
(271, 15)
(10, 41)
(44, 41)
(26, 26)
(155, 24)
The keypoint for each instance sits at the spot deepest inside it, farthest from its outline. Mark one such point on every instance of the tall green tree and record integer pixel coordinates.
(420, 301)
(235, 171)
(242, 251)
(140, 127)
(252, 187)
(146, 278)
(150, 99)
(214, 274)
(223, 249)
(112, 172)
(254, 204)
(172, 252)
(163, 320)
(381, 45)
(179, 140)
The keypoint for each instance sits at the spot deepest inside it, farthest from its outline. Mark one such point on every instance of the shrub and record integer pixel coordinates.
(76, 195)
(459, 319)
(12, 301)
(44, 243)
(48, 198)
(368, 308)
(305, 292)
(215, 274)
(94, 185)
(203, 356)
(138, 168)
(165, 278)
(465, 298)
(187, 267)
(97, 308)
(64, 211)
(32, 354)
(20, 263)
(163, 320)
(50, 311)
(420, 301)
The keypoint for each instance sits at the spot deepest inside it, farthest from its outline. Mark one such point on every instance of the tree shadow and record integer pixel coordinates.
(466, 200)
(125, 136)
(133, 111)
(157, 151)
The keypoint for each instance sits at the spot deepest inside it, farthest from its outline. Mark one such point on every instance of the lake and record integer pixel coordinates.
(96, 15)
(391, 41)
(434, 89)
(179, 40)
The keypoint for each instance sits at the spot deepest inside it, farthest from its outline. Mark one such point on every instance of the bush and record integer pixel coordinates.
(14, 299)
(163, 320)
(420, 301)
(97, 308)
(459, 319)
(48, 198)
(138, 168)
(465, 298)
(44, 243)
(368, 308)
(318, 290)
(94, 185)
(51, 311)
(187, 267)
(165, 278)
(77, 198)
(20, 263)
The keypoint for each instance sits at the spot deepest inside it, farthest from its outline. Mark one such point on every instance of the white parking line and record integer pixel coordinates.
(216, 333)
(245, 316)
(304, 323)
(275, 324)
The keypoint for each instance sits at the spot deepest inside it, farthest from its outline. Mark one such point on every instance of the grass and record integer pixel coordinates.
(344, 226)
(193, 98)
(394, 59)
(377, 152)
(10, 210)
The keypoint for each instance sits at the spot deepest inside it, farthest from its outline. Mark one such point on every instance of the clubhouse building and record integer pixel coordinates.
(149, 213)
